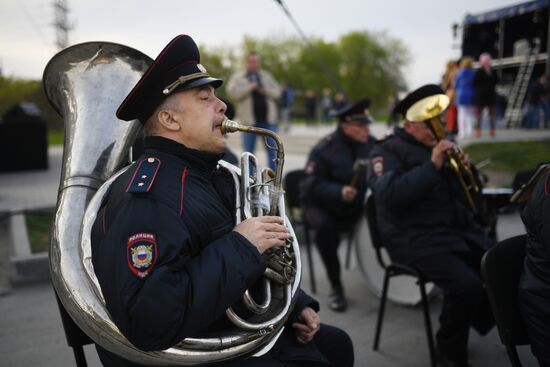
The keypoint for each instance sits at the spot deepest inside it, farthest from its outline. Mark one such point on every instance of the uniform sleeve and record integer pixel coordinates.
(317, 186)
(182, 294)
(395, 186)
(238, 87)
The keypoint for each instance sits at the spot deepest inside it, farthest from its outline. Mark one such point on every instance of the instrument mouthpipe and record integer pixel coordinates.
(230, 126)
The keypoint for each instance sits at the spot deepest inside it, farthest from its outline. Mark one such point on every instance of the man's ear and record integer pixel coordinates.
(167, 119)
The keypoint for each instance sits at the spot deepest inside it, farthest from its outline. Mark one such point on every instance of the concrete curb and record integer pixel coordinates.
(30, 269)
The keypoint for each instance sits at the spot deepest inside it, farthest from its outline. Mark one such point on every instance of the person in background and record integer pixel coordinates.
(326, 105)
(166, 249)
(340, 101)
(255, 93)
(534, 285)
(310, 105)
(485, 95)
(464, 87)
(424, 219)
(447, 84)
(393, 117)
(287, 100)
(536, 108)
(334, 187)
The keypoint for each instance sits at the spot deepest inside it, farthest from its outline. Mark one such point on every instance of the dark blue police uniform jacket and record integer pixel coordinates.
(164, 252)
(421, 211)
(329, 168)
(534, 286)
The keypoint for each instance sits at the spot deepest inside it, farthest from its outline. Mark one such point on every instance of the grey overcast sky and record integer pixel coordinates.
(27, 36)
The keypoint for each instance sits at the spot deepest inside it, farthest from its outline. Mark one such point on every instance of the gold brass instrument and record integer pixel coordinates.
(85, 83)
(428, 110)
(523, 194)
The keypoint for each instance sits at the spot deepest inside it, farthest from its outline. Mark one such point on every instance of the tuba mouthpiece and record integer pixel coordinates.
(229, 126)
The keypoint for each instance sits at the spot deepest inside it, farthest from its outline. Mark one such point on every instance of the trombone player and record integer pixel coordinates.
(426, 218)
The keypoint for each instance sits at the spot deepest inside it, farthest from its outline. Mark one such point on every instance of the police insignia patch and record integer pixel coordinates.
(378, 166)
(142, 253)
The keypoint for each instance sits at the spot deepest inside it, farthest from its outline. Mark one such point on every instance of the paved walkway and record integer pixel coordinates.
(31, 333)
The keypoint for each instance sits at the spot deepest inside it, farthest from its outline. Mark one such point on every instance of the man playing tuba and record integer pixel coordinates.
(426, 221)
(166, 251)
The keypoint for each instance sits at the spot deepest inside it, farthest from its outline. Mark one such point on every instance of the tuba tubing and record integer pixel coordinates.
(265, 196)
(85, 83)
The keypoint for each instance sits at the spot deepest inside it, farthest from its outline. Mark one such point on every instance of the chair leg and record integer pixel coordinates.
(381, 309)
(310, 260)
(348, 250)
(428, 323)
(513, 355)
(79, 356)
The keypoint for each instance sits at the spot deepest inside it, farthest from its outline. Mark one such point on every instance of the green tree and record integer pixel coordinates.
(363, 63)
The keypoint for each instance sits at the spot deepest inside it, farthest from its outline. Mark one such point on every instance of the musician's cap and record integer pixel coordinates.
(358, 112)
(427, 90)
(176, 68)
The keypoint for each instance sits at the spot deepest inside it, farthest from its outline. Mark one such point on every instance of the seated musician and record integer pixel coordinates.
(165, 248)
(333, 192)
(534, 286)
(425, 219)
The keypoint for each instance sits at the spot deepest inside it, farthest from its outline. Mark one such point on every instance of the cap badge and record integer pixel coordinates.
(183, 79)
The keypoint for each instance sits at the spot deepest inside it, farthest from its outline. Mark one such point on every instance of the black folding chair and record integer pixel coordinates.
(291, 184)
(501, 268)
(394, 269)
(76, 338)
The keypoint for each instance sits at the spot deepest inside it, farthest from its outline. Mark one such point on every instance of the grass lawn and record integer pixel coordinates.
(55, 137)
(38, 226)
(511, 157)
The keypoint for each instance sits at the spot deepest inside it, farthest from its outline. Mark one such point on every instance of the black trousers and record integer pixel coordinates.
(465, 302)
(534, 309)
(327, 238)
(331, 346)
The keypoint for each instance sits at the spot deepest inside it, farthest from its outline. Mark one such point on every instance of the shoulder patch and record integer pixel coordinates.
(142, 253)
(378, 166)
(144, 176)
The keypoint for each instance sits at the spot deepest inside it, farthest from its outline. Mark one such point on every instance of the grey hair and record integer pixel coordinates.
(170, 103)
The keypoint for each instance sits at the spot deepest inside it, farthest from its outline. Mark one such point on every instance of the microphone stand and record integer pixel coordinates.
(320, 60)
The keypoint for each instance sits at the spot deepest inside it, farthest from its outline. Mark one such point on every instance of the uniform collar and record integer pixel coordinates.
(202, 160)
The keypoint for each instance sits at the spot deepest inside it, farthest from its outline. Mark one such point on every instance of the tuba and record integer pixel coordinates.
(428, 109)
(85, 84)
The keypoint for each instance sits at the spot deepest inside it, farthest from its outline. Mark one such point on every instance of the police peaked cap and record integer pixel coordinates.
(415, 96)
(176, 68)
(355, 112)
